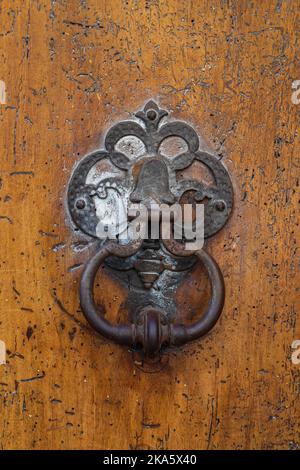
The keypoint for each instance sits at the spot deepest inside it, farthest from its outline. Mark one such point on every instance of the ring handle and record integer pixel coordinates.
(181, 334)
(122, 333)
(152, 329)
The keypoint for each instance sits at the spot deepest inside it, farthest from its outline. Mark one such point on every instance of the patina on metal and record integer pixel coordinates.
(154, 268)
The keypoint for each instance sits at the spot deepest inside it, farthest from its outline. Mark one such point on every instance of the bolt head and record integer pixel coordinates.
(80, 204)
(220, 206)
(151, 114)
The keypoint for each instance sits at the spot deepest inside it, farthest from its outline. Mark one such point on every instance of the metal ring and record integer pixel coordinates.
(122, 333)
(181, 334)
(152, 332)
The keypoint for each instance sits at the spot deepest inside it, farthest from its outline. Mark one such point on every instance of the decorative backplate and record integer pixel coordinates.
(149, 175)
(141, 171)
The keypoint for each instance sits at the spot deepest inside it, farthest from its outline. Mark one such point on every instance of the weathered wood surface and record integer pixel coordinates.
(71, 69)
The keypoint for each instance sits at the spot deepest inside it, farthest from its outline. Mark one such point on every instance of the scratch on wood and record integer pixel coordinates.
(65, 311)
(15, 173)
(31, 379)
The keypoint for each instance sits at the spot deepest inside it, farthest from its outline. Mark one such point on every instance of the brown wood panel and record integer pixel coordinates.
(71, 69)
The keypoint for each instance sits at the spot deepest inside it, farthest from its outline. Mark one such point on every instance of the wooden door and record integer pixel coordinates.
(69, 70)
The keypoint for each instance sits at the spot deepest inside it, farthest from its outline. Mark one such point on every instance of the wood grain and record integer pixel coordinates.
(71, 69)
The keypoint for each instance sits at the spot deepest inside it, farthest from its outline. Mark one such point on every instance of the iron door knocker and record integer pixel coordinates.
(138, 171)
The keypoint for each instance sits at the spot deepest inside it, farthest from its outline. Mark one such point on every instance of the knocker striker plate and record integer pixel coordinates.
(136, 168)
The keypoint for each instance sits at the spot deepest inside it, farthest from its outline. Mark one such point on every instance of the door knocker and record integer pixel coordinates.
(137, 170)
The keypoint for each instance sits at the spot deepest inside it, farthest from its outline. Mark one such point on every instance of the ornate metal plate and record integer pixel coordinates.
(141, 171)
(148, 174)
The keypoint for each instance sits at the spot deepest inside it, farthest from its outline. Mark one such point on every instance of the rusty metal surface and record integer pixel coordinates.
(151, 176)
(153, 268)
(151, 331)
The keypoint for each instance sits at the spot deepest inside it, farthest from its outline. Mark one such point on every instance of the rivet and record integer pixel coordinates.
(220, 206)
(80, 204)
(151, 114)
